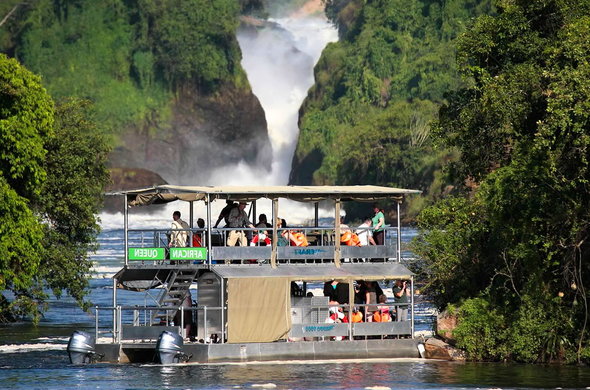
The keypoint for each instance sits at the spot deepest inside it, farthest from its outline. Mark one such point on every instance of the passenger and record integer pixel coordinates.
(382, 313)
(179, 233)
(296, 290)
(357, 316)
(378, 224)
(360, 292)
(262, 234)
(371, 300)
(350, 239)
(336, 316)
(188, 315)
(224, 214)
(198, 237)
(343, 227)
(238, 219)
(282, 239)
(336, 292)
(291, 237)
(401, 293)
(364, 232)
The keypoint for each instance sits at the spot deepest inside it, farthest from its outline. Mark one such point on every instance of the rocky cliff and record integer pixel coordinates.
(206, 131)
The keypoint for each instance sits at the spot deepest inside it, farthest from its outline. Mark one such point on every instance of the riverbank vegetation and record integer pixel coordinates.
(509, 254)
(52, 177)
(366, 120)
(131, 58)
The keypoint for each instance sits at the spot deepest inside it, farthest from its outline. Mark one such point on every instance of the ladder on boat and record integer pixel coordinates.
(174, 291)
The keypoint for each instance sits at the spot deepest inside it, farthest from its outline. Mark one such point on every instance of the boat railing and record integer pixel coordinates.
(151, 245)
(313, 321)
(133, 323)
(309, 322)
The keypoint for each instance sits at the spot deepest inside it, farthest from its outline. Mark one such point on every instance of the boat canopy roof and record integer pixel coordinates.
(169, 193)
(142, 279)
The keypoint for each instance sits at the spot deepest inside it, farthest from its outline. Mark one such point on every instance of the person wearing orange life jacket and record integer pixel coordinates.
(351, 239)
(357, 316)
(382, 313)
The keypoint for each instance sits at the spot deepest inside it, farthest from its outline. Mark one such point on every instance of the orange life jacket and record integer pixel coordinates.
(299, 239)
(381, 316)
(357, 316)
(351, 239)
(197, 240)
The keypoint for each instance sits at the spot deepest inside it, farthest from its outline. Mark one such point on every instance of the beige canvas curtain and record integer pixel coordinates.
(259, 309)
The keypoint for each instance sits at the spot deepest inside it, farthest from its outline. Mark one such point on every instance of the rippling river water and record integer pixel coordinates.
(35, 358)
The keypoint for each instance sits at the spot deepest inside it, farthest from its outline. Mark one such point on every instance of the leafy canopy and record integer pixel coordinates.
(52, 176)
(520, 237)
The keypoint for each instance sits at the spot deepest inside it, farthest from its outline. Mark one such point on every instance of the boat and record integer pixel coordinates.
(253, 303)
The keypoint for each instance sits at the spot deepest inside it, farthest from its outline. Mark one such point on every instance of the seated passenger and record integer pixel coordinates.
(336, 315)
(350, 239)
(282, 239)
(382, 313)
(198, 238)
(292, 237)
(262, 234)
(357, 316)
(237, 220)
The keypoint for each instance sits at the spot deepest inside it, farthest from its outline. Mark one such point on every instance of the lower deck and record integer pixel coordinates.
(254, 352)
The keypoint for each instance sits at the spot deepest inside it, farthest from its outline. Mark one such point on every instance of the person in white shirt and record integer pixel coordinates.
(179, 233)
(364, 232)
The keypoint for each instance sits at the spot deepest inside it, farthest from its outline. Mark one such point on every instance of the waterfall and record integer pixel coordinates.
(279, 59)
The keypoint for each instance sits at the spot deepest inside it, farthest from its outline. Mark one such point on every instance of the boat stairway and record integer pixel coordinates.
(173, 293)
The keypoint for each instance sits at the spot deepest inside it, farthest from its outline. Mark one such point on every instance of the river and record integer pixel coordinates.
(35, 357)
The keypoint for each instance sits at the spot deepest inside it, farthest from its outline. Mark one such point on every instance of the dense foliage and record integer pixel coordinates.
(513, 250)
(128, 57)
(52, 175)
(367, 118)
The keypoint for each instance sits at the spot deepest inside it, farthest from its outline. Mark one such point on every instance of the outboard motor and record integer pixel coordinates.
(169, 349)
(81, 348)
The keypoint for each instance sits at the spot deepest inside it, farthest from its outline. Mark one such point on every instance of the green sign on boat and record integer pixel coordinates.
(160, 254)
(146, 254)
(188, 253)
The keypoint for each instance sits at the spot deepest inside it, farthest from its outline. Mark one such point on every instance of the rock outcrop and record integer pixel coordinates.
(128, 179)
(206, 131)
(438, 349)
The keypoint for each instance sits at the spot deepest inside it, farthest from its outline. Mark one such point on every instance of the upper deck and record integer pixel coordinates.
(207, 247)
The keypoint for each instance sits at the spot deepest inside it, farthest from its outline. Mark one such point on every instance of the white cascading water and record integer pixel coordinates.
(278, 59)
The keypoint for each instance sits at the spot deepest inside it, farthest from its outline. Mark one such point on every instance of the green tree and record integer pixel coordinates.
(52, 175)
(367, 118)
(71, 198)
(26, 121)
(523, 130)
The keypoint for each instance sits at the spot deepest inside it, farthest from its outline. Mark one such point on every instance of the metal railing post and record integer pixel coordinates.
(96, 323)
(399, 235)
(126, 228)
(222, 311)
(412, 303)
(182, 322)
(209, 227)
